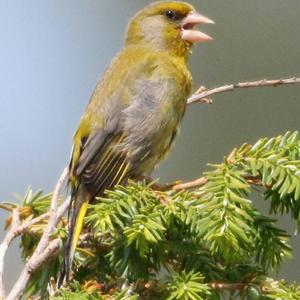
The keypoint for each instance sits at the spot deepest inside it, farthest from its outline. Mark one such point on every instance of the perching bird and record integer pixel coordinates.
(133, 115)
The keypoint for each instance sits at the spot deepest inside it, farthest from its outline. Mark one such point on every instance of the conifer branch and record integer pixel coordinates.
(140, 221)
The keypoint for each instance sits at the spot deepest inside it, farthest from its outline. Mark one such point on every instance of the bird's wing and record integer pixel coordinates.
(107, 167)
(95, 166)
(95, 161)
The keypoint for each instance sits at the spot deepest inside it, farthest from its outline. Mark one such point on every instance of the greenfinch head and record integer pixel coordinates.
(167, 25)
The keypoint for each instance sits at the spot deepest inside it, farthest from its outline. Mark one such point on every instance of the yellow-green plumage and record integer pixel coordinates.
(134, 112)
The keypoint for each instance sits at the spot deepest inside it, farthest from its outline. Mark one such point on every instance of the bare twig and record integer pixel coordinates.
(26, 226)
(14, 232)
(29, 269)
(11, 234)
(53, 220)
(191, 184)
(203, 96)
(6, 207)
(203, 181)
(48, 253)
(228, 286)
(39, 256)
(256, 181)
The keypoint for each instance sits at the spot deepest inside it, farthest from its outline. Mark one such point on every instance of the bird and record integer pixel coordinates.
(135, 110)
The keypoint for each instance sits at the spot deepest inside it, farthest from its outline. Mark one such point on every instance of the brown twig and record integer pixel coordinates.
(203, 96)
(45, 245)
(191, 184)
(7, 207)
(203, 181)
(228, 286)
(256, 181)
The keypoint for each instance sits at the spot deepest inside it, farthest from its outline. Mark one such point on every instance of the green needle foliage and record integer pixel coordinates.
(208, 243)
(188, 286)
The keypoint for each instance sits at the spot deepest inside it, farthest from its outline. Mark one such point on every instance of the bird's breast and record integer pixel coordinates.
(151, 122)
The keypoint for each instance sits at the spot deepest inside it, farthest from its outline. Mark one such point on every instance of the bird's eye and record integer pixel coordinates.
(171, 14)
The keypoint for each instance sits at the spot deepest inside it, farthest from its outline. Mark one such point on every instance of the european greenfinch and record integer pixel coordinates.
(134, 113)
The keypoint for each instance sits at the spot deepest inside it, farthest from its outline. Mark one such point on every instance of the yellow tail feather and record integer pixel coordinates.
(75, 228)
(78, 226)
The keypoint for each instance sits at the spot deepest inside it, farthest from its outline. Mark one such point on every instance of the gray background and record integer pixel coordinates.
(52, 53)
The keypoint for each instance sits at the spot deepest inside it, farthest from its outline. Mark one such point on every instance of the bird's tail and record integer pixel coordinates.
(76, 216)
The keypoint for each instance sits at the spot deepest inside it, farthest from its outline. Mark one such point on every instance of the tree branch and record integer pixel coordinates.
(203, 181)
(54, 218)
(203, 95)
(46, 244)
(49, 252)
(11, 234)
(190, 185)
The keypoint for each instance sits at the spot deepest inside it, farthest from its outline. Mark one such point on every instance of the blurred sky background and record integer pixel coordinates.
(52, 53)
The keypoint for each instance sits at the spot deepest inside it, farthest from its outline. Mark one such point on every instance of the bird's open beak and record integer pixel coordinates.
(187, 28)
